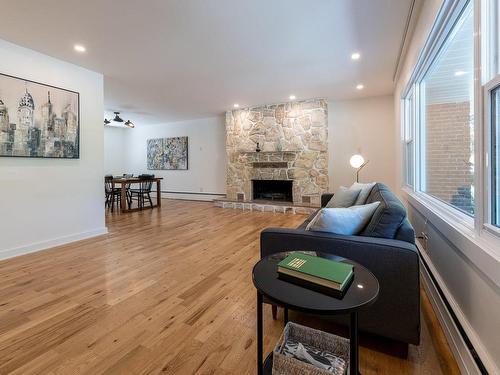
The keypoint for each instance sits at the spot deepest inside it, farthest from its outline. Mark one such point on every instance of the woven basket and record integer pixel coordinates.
(284, 365)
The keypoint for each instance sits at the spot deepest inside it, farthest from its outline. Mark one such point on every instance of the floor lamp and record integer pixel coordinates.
(357, 162)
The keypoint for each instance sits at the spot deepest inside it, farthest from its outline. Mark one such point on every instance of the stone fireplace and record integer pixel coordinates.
(273, 190)
(294, 149)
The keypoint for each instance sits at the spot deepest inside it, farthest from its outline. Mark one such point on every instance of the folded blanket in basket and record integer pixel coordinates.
(318, 358)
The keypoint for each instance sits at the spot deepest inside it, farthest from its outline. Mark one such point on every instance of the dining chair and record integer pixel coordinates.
(111, 193)
(144, 192)
(127, 186)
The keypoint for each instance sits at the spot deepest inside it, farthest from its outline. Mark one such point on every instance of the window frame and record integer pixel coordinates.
(487, 222)
(409, 109)
(486, 78)
(450, 14)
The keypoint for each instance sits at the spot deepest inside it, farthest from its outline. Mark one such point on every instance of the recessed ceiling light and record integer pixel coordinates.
(355, 56)
(79, 48)
(292, 97)
(236, 105)
(459, 73)
(360, 87)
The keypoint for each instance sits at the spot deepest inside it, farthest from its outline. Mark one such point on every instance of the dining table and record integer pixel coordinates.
(126, 181)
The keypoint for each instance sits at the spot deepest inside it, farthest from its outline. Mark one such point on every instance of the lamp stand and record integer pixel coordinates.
(359, 169)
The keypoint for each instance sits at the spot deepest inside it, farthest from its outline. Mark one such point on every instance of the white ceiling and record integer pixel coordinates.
(169, 60)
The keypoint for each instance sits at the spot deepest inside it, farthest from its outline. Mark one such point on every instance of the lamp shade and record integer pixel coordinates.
(356, 161)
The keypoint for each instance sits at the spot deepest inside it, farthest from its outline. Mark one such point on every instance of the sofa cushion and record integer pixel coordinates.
(364, 193)
(389, 215)
(342, 220)
(344, 197)
(405, 232)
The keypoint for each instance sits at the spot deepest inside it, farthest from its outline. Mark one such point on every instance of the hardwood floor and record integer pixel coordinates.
(167, 291)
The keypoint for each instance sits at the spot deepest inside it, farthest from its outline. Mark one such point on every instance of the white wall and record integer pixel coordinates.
(363, 126)
(206, 176)
(366, 127)
(115, 162)
(474, 297)
(44, 202)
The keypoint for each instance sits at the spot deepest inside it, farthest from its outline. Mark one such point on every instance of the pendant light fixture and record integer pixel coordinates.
(117, 118)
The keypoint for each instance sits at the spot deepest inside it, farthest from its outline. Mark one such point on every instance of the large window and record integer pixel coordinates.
(450, 134)
(447, 111)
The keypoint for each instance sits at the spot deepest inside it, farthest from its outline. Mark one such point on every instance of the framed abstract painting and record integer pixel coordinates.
(38, 120)
(167, 153)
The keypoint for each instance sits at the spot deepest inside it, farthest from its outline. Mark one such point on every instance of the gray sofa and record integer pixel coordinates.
(386, 247)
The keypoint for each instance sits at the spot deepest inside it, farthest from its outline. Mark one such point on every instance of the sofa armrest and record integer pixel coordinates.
(275, 240)
(325, 198)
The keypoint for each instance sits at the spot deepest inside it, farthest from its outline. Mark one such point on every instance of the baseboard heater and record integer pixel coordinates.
(453, 316)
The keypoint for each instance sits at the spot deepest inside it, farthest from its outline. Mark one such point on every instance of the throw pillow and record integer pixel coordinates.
(343, 220)
(344, 197)
(365, 191)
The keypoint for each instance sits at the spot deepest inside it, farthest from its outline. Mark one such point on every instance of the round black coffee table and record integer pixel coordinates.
(362, 292)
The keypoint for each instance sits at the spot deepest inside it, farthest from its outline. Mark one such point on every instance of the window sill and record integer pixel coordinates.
(482, 249)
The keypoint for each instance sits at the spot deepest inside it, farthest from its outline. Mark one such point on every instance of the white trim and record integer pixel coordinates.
(10, 253)
(411, 19)
(457, 344)
(205, 197)
(487, 155)
(481, 251)
(479, 145)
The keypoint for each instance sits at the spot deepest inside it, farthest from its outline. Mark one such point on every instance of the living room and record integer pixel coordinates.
(168, 168)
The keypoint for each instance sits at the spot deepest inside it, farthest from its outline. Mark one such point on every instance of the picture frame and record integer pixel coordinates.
(38, 120)
(168, 153)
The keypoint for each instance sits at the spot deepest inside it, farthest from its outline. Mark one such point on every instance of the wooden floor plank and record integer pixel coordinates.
(167, 291)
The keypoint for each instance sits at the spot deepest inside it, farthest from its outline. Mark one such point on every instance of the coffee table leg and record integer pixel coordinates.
(354, 362)
(259, 335)
(285, 315)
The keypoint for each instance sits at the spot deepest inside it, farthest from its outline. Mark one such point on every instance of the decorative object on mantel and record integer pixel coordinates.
(358, 162)
(118, 119)
(168, 153)
(257, 149)
(38, 120)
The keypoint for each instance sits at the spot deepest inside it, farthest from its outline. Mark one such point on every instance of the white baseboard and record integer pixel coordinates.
(461, 352)
(31, 248)
(206, 197)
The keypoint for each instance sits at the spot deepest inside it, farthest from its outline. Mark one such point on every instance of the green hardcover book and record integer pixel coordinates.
(324, 275)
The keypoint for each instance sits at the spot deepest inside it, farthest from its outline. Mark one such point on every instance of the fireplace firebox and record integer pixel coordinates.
(273, 190)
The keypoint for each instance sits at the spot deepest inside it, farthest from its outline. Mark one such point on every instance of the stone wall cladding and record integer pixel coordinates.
(296, 133)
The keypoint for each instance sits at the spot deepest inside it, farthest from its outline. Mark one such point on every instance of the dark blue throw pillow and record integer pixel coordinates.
(389, 215)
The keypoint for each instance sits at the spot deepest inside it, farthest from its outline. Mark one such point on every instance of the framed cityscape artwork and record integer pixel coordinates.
(168, 153)
(37, 120)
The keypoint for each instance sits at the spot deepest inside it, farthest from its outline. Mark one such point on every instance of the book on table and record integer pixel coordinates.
(316, 273)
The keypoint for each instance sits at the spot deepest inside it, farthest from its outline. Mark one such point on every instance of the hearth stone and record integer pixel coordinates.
(266, 207)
